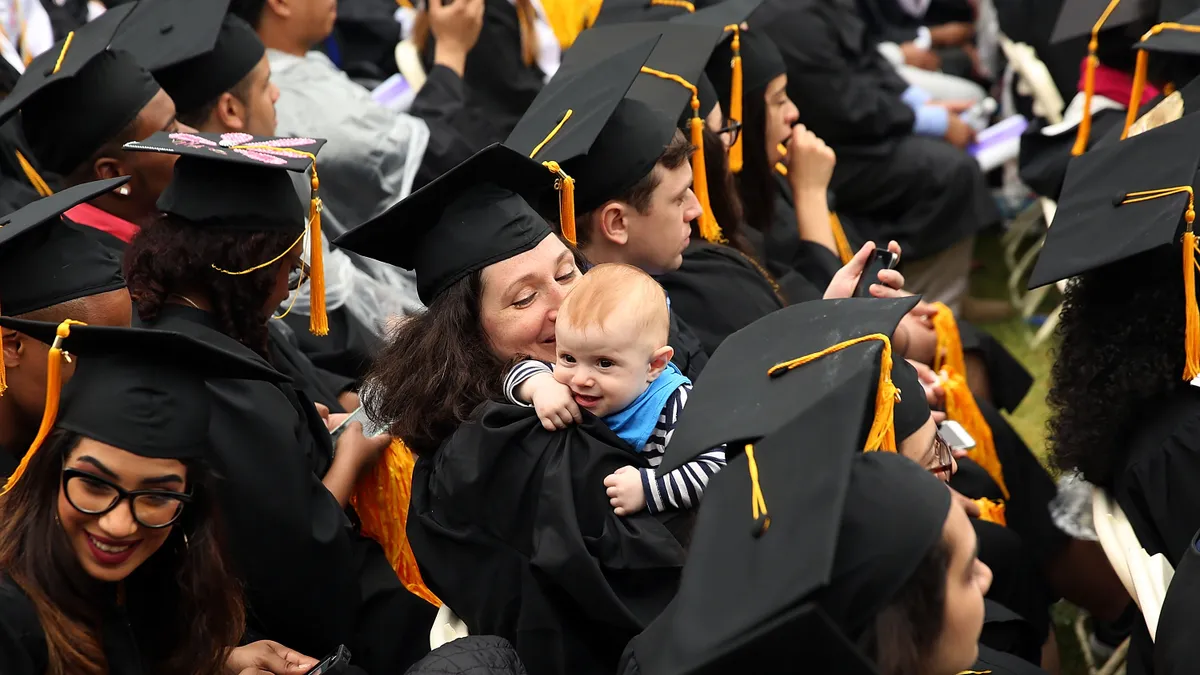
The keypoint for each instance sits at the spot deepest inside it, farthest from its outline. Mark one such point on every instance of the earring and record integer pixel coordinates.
(123, 190)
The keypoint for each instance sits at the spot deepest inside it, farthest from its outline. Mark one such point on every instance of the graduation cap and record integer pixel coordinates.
(726, 66)
(566, 120)
(632, 11)
(1181, 37)
(1126, 199)
(757, 381)
(240, 182)
(847, 532)
(208, 51)
(139, 390)
(79, 94)
(476, 214)
(45, 261)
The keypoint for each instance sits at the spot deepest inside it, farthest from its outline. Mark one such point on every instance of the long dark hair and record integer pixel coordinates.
(1120, 347)
(435, 369)
(722, 193)
(903, 635)
(171, 255)
(756, 182)
(186, 580)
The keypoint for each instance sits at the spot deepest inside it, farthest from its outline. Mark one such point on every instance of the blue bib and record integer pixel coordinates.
(635, 424)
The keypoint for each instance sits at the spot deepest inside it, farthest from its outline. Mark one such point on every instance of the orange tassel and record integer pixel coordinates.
(1089, 81)
(35, 179)
(53, 391)
(318, 320)
(735, 98)
(381, 501)
(845, 253)
(709, 229)
(566, 207)
(991, 511)
(1135, 94)
(1191, 369)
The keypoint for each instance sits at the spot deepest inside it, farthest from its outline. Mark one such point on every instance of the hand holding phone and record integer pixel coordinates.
(332, 664)
(881, 259)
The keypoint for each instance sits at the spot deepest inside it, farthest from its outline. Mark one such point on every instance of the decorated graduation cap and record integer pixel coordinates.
(210, 51)
(136, 389)
(728, 68)
(79, 94)
(578, 120)
(240, 182)
(756, 382)
(1126, 199)
(847, 532)
(476, 214)
(45, 261)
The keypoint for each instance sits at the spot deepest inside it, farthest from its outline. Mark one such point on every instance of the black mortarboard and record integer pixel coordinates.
(632, 11)
(1078, 18)
(476, 214)
(1125, 199)
(1181, 38)
(846, 531)
(139, 390)
(79, 95)
(746, 63)
(230, 53)
(239, 182)
(754, 382)
(579, 125)
(162, 33)
(912, 409)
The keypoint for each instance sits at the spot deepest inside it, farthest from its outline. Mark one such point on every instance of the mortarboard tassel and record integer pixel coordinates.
(991, 511)
(758, 503)
(564, 184)
(53, 390)
(1191, 340)
(683, 4)
(35, 179)
(318, 320)
(62, 54)
(1089, 82)
(381, 501)
(882, 435)
(1139, 73)
(961, 406)
(735, 97)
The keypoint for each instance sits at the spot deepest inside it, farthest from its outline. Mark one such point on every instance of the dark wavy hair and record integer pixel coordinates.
(722, 193)
(756, 183)
(171, 255)
(435, 369)
(903, 635)
(1120, 347)
(186, 581)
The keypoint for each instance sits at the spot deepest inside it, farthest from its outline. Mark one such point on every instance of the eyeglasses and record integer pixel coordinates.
(298, 275)
(943, 458)
(96, 496)
(733, 128)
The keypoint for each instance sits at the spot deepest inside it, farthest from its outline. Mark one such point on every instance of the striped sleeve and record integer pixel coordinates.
(522, 371)
(683, 487)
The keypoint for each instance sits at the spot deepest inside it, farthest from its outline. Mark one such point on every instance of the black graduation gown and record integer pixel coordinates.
(1043, 159)
(346, 351)
(311, 580)
(318, 385)
(1018, 617)
(512, 529)
(15, 189)
(442, 105)
(690, 356)
(923, 192)
(1176, 650)
(499, 86)
(1000, 663)
(887, 22)
(366, 34)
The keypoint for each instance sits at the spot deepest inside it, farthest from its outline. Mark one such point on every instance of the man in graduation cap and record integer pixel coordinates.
(79, 102)
(375, 155)
(50, 270)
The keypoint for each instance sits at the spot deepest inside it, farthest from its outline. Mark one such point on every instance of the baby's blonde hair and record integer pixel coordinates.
(612, 288)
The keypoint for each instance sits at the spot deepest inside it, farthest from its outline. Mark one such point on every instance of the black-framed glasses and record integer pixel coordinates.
(298, 275)
(96, 496)
(943, 458)
(733, 128)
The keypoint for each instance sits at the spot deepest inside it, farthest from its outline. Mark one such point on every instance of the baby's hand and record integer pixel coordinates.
(555, 405)
(625, 491)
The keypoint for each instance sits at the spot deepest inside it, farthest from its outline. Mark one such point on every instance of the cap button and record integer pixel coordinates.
(1119, 199)
(167, 28)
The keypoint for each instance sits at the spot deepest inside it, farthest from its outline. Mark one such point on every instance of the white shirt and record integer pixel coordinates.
(26, 25)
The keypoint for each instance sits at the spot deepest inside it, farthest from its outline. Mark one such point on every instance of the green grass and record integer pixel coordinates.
(991, 281)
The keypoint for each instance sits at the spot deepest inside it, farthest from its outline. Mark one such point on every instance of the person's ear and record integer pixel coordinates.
(111, 167)
(282, 8)
(658, 362)
(614, 223)
(230, 113)
(12, 350)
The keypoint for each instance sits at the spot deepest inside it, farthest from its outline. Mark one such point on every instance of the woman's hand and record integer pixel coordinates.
(935, 394)
(455, 26)
(355, 455)
(267, 658)
(844, 282)
(922, 339)
(810, 162)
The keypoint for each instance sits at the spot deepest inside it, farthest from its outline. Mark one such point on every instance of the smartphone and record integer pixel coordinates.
(881, 259)
(334, 663)
(956, 436)
(360, 416)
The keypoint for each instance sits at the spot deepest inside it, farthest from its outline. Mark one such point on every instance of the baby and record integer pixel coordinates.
(614, 361)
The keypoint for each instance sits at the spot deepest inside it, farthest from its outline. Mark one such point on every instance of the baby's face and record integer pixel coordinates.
(605, 369)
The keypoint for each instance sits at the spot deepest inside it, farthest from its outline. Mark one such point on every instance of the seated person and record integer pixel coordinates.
(375, 155)
(614, 362)
(940, 59)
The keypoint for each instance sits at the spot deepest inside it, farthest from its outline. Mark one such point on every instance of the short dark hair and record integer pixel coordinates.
(250, 11)
(85, 172)
(678, 151)
(902, 636)
(198, 117)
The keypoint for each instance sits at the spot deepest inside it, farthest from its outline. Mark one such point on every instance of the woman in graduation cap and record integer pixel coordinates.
(222, 257)
(110, 540)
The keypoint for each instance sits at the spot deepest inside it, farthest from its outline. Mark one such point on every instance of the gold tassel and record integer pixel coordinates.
(882, 435)
(961, 405)
(381, 501)
(35, 179)
(53, 391)
(758, 503)
(991, 511)
(1089, 82)
(1135, 94)
(735, 97)
(565, 185)
(845, 253)
(318, 320)
(3, 375)
(63, 54)
(682, 4)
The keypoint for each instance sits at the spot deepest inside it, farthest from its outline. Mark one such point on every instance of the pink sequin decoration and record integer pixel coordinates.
(236, 139)
(190, 140)
(288, 142)
(260, 156)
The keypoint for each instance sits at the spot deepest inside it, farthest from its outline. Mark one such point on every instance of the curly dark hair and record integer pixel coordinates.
(171, 255)
(756, 182)
(902, 636)
(187, 579)
(435, 369)
(1120, 345)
